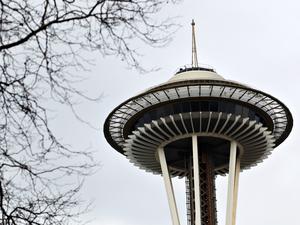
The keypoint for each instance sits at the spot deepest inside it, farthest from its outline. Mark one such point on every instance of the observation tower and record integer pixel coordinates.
(196, 126)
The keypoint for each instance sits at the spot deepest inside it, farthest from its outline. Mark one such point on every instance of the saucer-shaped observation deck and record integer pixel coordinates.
(197, 100)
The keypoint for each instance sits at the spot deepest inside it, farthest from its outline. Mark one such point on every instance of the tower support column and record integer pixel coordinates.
(168, 186)
(196, 180)
(233, 178)
(200, 186)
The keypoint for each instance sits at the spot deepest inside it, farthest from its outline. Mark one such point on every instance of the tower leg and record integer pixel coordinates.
(196, 181)
(236, 185)
(200, 186)
(168, 186)
(233, 177)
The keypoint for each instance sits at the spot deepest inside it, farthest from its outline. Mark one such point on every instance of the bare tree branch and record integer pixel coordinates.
(41, 43)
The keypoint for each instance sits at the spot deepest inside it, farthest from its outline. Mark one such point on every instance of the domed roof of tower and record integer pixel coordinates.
(196, 73)
(203, 73)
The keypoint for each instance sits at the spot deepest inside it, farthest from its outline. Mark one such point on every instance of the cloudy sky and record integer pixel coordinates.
(255, 42)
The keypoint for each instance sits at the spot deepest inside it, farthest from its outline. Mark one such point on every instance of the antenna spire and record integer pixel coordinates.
(194, 47)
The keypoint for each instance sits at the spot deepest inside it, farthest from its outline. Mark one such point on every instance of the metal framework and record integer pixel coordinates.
(206, 194)
(201, 197)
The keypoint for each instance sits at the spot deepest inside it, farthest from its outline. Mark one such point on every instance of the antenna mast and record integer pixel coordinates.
(194, 47)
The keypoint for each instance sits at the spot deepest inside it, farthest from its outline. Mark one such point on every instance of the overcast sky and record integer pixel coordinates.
(255, 42)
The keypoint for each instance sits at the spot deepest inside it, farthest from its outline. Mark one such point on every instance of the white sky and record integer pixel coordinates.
(255, 42)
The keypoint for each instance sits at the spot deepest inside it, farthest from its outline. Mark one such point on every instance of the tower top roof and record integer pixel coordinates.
(196, 73)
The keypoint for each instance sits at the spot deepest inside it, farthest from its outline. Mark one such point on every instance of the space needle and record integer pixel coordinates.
(198, 125)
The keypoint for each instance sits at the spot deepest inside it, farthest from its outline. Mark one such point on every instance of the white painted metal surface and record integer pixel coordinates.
(168, 186)
(236, 185)
(234, 169)
(196, 180)
(254, 141)
(193, 75)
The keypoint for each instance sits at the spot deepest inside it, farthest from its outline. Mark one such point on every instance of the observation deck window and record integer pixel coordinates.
(197, 106)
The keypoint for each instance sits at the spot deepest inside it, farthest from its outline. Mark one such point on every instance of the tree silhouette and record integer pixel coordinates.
(40, 43)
